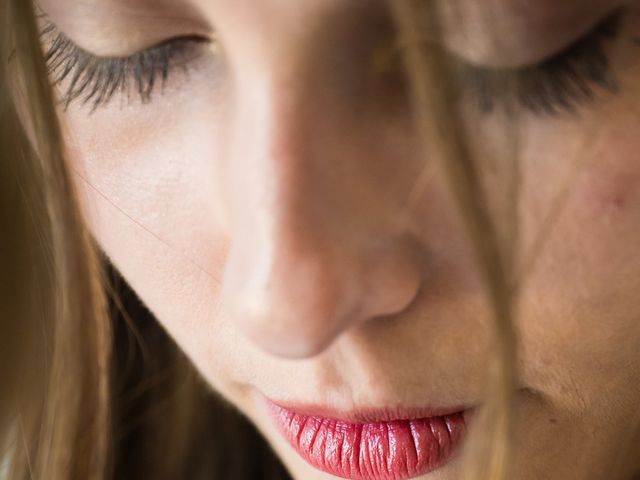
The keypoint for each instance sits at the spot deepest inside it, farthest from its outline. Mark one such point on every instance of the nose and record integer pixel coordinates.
(317, 246)
(294, 287)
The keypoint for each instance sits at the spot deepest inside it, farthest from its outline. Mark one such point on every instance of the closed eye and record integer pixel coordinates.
(562, 82)
(96, 80)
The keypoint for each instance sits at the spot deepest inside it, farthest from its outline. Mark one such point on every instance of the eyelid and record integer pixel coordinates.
(49, 31)
(606, 28)
(122, 28)
(487, 37)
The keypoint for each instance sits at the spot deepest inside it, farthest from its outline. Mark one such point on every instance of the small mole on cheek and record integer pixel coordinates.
(614, 201)
(614, 192)
(613, 179)
(553, 420)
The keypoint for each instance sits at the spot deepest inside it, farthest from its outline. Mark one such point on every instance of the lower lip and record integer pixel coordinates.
(393, 450)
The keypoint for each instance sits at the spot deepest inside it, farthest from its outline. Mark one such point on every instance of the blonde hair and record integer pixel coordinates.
(61, 433)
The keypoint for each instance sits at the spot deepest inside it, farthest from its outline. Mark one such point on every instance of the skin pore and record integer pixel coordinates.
(258, 203)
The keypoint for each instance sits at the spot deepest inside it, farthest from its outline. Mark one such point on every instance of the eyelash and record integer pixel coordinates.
(561, 83)
(96, 80)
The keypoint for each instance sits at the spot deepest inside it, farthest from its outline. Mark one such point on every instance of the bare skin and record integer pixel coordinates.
(258, 206)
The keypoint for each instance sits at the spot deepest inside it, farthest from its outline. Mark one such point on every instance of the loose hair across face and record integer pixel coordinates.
(434, 96)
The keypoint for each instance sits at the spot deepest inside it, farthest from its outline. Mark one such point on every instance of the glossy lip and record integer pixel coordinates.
(371, 444)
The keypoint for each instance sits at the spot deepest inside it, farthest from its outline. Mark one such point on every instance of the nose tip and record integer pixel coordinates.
(297, 304)
(295, 311)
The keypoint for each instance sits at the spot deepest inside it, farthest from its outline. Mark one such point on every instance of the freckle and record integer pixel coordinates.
(553, 420)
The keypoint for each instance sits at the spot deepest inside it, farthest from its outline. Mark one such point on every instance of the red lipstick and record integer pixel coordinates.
(393, 447)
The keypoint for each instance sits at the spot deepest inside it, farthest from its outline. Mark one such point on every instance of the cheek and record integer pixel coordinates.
(581, 299)
(148, 185)
(156, 186)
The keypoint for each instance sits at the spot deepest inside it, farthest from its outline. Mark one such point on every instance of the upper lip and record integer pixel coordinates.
(368, 414)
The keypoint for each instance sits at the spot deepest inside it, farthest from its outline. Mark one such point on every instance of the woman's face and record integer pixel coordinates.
(273, 206)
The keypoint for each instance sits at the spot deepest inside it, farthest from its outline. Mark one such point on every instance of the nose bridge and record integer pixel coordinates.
(291, 152)
(292, 271)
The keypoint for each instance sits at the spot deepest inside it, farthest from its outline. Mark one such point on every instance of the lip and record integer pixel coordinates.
(388, 444)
